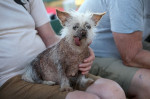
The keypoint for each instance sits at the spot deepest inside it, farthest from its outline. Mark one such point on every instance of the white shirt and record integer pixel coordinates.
(19, 41)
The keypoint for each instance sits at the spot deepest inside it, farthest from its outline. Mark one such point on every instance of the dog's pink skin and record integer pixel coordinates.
(68, 60)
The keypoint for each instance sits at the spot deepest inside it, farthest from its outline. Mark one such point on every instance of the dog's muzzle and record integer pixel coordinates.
(83, 33)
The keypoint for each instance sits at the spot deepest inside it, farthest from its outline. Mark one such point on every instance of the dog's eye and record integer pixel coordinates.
(88, 26)
(75, 27)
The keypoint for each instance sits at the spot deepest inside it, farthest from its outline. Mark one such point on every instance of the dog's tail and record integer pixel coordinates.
(30, 75)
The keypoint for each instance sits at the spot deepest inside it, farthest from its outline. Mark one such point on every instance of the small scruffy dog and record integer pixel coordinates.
(59, 63)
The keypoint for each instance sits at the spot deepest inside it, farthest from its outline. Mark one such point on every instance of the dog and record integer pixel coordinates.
(59, 63)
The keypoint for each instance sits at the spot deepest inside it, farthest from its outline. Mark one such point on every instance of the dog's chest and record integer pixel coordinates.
(61, 57)
(70, 58)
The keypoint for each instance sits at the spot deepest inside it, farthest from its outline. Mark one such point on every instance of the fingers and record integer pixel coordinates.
(85, 68)
(84, 73)
(86, 65)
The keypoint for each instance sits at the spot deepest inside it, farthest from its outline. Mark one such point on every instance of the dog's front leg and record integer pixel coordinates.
(84, 82)
(64, 81)
(65, 85)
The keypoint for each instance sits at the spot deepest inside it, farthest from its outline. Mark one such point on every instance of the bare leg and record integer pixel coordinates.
(81, 95)
(106, 89)
(100, 89)
(140, 85)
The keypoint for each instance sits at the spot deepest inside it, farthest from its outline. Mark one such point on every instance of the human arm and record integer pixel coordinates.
(47, 34)
(131, 49)
(127, 25)
(42, 23)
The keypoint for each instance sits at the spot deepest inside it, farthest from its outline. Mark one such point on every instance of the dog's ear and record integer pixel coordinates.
(97, 17)
(63, 16)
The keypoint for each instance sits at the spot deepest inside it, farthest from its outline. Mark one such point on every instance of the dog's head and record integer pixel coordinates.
(78, 27)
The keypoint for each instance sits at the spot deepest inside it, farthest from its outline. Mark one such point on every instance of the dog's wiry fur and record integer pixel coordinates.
(58, 64)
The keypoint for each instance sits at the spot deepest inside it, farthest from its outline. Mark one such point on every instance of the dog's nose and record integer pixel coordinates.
(83, 32)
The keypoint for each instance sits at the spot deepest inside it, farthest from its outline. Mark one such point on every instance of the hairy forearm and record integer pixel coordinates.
(131, 49)
(141, 59)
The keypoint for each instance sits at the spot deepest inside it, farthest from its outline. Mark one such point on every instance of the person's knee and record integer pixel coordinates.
(140, 84)
(107, 89)
(144, 79)
(81, 95)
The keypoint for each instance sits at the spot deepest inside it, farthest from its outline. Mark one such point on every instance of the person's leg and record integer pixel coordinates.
(106, 89)
(113, 69)
(81, 95)
(134, 81)
(140, 85)
(16, 88)
(100, 89)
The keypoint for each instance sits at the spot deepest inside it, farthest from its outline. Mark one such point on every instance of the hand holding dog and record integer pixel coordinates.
(87, 63)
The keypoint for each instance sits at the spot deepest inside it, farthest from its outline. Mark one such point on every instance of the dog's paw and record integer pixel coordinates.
(66, 88)
(49, 83)
(89, 82)
(84, 84)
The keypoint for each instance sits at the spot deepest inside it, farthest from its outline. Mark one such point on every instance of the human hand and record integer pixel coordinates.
(87, 63)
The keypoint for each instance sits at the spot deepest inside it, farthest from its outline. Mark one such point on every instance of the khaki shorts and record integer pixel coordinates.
(113, 69)
(16, 88)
